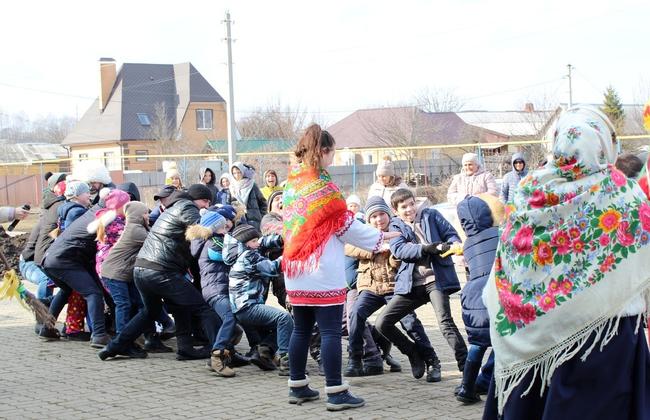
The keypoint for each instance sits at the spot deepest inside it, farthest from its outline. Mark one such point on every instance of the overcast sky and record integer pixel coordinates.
(332, 57)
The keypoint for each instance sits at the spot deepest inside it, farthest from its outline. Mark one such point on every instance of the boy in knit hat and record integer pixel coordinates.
(376, 283)
(249, 277)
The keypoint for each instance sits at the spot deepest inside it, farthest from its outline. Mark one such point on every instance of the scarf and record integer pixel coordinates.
(242, 189)
(573, 253)
(313, 209)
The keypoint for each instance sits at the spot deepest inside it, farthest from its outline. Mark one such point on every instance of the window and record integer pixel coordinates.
(144, 119)
(204, 119)
(110, 162)
(141, 155)
(83, 156)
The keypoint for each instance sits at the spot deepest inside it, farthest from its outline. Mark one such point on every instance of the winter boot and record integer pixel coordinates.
(283, 365)
(238, 360)
(99, 341)
(219, 363)
(467, 393)
(262, 362)
(153, 344)
(340, 398)
(186, 350)
(433, 370)
(393, 364)
(373, 367)
(300, 392)
(417, 364)
(354, 367)
(133, 351)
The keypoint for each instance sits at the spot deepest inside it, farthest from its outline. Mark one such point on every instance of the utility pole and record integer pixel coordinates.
(570, 89)
(232, 151)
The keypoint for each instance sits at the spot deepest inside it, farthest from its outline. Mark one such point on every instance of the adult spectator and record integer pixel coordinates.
(162, 201)
(246, 191)
(95, 174)
(208, 179)
(387, 181)
(270, 183)
(472, 180)
(512, 178)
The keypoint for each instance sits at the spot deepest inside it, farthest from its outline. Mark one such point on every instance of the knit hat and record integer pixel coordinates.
(376, 203)
(92, 171)
(271, 197)
(353, 199)
(172, 173)
(134, 210)
(385, 167)
(199, 192)
(470, 157)
(228, 212)
(75, 189)
(213, 220)
(496, 208)
(244, 233)
(116, 199)
(55, 179)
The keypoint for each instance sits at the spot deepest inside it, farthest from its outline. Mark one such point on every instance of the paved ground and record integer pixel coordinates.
(66, 380)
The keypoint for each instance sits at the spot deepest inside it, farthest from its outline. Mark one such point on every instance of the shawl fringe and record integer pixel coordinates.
(544, 364)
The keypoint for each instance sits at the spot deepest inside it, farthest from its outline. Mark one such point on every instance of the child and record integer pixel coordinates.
(422, 277)
(376, 282)
(214, 286)
(354, 205)
(249, 276)
(480, 217)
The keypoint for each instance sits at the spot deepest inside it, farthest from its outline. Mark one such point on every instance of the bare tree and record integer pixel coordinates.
(432, 99)
(274, 121)
(19, 128)
(164, 131)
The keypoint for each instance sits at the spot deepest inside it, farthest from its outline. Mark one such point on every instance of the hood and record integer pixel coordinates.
(49, 198)
(246, 170)
(130, 188)
(202, 172)
(231, 249)
(474, 214)
(518, 156)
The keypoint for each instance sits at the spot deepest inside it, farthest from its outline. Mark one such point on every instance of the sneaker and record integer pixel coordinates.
(190, 353)
(342, 400)
(219, 363)
(133, 352)
(283, 365)
(49, 334)
(300, 392)
(467, 397)
(354, 367)
(99, 341)
(238, 360)
(393, 364)
(78, 336)
(373, 369)
(433, 371)
(418, 366)
(262, 362)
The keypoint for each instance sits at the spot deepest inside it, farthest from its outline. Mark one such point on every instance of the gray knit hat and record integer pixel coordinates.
(75, 189)
(244, 233)
(375, 204)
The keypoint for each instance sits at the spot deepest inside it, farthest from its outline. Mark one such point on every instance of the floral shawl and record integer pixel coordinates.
(313, 209)
(573, 253)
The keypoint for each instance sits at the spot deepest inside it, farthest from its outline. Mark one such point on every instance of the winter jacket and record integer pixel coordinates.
(7, 214)
(224, 196)
(376, 272)
(75, 247)
(512, 178)
(113, 231)
(250, 272)
(463, 185)
(378, 189)
(255, 207)
(132, 189)
(166, 247)
(119, 263)
(409, 251)
(49, 223)
(214, 272)
(30, 245)
(67, 213)
(267, 191)
(479, 250)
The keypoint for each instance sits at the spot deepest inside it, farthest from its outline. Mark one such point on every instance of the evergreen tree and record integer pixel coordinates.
(613, 108)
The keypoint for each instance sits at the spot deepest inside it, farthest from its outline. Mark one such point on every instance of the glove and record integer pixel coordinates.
(436, 248)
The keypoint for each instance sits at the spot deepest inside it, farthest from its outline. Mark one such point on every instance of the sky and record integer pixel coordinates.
(332, 58)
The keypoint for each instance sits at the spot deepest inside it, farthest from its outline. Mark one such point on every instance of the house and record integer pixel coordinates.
(32, 158)
(147, 109)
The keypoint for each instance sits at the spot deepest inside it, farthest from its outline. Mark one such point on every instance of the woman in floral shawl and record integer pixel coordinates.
(567, 293)
(317, 224)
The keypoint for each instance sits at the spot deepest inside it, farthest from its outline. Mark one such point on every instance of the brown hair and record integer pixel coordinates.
(631, 165)
(312, 144)
(400, 196)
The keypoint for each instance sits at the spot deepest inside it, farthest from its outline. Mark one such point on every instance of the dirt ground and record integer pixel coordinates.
(12, 244)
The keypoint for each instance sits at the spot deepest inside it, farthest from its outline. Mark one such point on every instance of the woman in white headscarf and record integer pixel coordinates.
(567, 292)
(245, 190)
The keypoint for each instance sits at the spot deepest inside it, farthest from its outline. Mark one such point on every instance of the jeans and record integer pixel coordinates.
(34, 274)
(401, 305)
(329, 323)
(127, 301)
(368, 303)
(221, 305)
(181, 298)
(487, 371)
(261, 315)
(87, 285)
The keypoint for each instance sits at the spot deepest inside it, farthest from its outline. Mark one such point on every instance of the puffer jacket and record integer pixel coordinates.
(166, 247)
(49, 221)
(463, 185)
(75, 247)
(376, 272)
(479, 250)
(214, 272)
(68, 212)
(512, 178)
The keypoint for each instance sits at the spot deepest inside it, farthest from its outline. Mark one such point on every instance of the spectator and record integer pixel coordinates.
(270, 183)
(629, 164)
(163, 198)
(387, 180)
(224, 196)
(246, 191)
(472, 180)
(512, 178)
(208, 179)
(95, 175)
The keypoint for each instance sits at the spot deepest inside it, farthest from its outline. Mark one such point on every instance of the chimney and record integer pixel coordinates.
(107, 76)
(529, 107)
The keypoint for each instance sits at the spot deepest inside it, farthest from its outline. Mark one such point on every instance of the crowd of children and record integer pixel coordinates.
(210, 253)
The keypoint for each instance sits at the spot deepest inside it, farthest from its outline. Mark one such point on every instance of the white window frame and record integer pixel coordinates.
(201, 119)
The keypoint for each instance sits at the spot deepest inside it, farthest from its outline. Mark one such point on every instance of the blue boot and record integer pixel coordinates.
(300, 392)
(340, 398)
